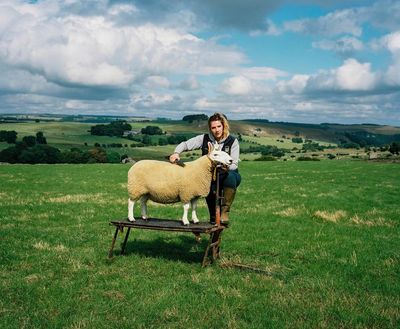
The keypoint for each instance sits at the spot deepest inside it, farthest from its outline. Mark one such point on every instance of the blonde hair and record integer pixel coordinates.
(219, 117)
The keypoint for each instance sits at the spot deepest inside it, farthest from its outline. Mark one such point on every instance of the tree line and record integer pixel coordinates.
(147, 137)
(148, 140)
(119, 128)
(115, 128)
(34, 149)
(195, 117)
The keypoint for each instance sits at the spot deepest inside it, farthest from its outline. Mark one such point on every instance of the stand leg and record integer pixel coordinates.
(214, 243)
(205, 257)
(125, 240)
(110, 253)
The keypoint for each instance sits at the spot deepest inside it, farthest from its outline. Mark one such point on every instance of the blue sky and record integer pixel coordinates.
(301, 61)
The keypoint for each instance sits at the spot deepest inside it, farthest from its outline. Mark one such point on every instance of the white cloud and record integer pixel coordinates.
(209, 105)
(156, 81)
(344, 45)
(383, 14)
(245, 16)
(153, 100)
(262, 73)
(270, 29)
(345, 21)
(190, 83)
(296, 84)
(236, 86)
(353, 75)
(251, 80)
(93, 51)
(77, 105)
(123, 9)
(392, 75)
(17, 80)
(391, 42)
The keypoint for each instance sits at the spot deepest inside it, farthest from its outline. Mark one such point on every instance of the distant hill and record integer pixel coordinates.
(68, 118)
(372, 134)
(362, 134)
(260, 140)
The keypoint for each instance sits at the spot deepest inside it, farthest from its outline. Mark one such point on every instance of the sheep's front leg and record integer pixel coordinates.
(186, 207)
(131, 205)
(143, 201)
(194, 208)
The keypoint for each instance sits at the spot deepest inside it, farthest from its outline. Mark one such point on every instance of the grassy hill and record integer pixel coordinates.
(67, 132)
(323, 132)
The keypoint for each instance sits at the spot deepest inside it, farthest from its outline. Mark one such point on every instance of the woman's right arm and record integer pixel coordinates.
(193, 143)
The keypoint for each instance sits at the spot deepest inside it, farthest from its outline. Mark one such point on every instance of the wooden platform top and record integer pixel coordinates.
(167, 225)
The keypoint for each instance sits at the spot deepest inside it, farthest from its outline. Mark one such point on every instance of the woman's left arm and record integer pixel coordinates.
(235, 152)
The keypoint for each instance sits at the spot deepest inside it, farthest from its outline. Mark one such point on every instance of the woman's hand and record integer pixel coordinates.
(174, 157)
(225, 168)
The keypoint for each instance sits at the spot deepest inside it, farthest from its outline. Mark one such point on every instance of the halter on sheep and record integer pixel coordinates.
(163, 182)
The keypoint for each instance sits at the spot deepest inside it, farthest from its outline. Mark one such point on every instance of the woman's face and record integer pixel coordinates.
(217, 129)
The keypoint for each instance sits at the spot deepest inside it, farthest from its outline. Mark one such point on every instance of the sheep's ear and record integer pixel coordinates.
(210, 147)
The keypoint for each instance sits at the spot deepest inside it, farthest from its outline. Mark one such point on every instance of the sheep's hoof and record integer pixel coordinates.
(144, 217)
(132, 219)
(195, 221)
(185, 223)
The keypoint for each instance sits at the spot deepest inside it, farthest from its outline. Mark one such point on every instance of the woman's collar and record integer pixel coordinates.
(214, 140)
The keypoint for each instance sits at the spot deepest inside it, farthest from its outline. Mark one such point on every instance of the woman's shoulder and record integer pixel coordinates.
(230, 139)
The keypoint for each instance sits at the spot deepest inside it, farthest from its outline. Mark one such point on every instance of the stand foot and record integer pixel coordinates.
(213, 247)
(110, 253)
(125, 240)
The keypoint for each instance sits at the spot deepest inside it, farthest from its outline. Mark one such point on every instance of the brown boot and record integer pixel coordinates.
(229, 196)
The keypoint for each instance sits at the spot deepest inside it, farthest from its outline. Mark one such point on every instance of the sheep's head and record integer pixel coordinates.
(217, 155)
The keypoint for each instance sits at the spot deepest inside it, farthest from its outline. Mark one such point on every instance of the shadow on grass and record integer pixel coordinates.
(182, 248)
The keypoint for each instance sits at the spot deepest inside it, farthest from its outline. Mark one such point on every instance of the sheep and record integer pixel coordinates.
(163, 182)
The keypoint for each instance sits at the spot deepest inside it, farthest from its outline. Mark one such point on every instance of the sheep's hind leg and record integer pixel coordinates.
(143, 202)
(131, 205)
(194, 208)
(186, 207)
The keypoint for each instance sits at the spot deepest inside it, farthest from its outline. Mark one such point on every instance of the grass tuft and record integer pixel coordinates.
(380, 221)
(41, 245)
(77, 198)
(330, 216)
(289, 212)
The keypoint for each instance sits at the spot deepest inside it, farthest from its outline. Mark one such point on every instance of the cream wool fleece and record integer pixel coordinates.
(164, 182)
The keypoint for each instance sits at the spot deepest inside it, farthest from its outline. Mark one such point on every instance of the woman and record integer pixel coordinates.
(218, 127)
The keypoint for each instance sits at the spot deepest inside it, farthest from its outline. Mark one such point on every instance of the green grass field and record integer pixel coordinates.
(324, 234)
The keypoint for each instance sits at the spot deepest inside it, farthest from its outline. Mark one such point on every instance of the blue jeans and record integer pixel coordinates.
(230, 179)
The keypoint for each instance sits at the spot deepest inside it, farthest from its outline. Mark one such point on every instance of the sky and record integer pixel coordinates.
(310, 61)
